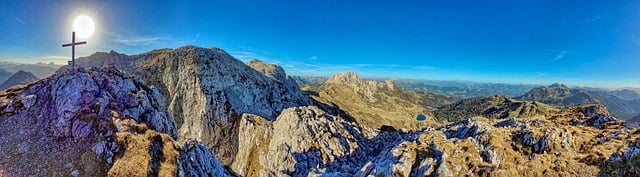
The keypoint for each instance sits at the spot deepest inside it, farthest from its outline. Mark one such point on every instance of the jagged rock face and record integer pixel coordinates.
(207, 90)
(90, 122)
(101, 59)
(299, 141)
(196, 160)
(349, 78)
(73, 114)
(273, 71)
(277, 73)
(511, 147)
(366, 87)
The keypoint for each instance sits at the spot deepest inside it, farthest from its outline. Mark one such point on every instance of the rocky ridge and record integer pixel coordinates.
(494, 107)
(513, 147)
(561, 95)
(208, 90)
(250, 125)
(90, 122)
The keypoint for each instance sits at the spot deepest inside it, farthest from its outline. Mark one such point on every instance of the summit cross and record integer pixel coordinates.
(73, 48)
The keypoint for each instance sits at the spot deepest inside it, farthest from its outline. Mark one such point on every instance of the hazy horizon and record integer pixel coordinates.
(365, 76)
(586, 44)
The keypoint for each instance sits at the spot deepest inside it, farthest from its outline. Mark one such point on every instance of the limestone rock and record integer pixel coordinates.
(103, 122)
(207, 90)
(301, 140)
(197, 160)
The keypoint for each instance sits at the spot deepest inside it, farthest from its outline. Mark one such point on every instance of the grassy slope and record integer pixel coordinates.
(396, 107)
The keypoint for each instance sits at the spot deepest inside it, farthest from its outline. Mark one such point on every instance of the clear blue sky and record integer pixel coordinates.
(592, 43)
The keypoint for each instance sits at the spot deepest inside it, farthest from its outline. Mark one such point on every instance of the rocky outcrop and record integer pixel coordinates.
(299, 141)
(368, 88)
(207, 91)
(276, 73)
(258, 124)
(89, 122)
(520, 147)
(197, 160)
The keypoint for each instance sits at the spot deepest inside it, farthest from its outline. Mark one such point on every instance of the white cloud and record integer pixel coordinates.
(136, 40)
(538, 73)
(194, 40)
(311, 66)
(559, 56)
(19, 20)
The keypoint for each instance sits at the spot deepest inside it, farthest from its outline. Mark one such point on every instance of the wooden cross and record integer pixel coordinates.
(73, 48)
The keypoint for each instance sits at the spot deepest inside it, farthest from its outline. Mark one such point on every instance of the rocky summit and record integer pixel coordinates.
(207, 90)
(195, 111)
(92, 122)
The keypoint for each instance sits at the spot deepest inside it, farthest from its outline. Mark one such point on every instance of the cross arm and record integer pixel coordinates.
(71, 44)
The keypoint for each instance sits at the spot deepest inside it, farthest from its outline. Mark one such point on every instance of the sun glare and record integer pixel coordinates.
(83, 26)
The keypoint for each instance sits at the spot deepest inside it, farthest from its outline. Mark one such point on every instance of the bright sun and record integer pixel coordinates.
(83, 26)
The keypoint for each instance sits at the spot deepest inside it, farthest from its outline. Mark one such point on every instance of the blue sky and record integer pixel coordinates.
(591, 43)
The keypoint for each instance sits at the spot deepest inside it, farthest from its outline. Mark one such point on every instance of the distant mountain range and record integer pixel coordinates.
(496, 107)
(40, 70)
(18, 73)
(561, 95)
(310, 80)
(622, 103)
(626, 94)
(460, 89)
(20, 77)
(466, 89)
(4, 75)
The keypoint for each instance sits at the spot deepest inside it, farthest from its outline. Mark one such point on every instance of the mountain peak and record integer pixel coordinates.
(350, 78)
(558, 85)
(271, 70)
(23, 72)
(20, 77)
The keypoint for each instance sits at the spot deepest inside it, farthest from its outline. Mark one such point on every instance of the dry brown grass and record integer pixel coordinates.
(139, 153)
(388, 109)
(586, 156)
